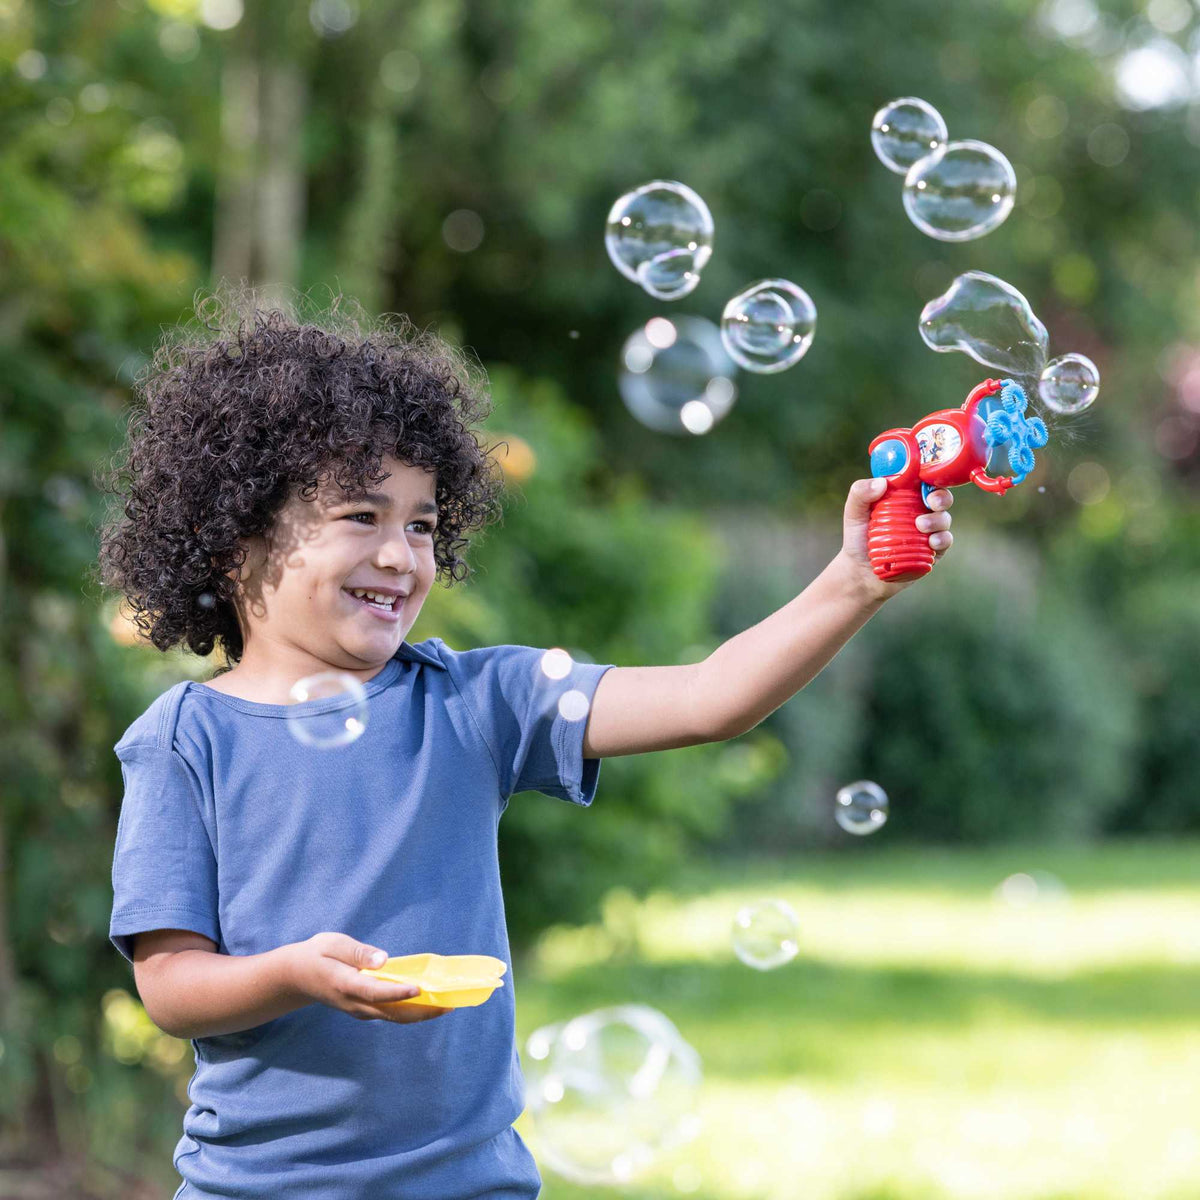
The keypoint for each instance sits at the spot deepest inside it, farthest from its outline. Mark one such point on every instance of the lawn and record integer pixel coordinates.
(932, 1039)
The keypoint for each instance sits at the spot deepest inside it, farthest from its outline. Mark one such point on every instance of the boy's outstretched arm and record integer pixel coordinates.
(637, 709)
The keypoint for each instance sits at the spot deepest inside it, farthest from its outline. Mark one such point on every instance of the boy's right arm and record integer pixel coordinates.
(191, 991)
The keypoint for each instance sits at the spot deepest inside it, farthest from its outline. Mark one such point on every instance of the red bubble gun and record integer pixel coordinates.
(943, 450)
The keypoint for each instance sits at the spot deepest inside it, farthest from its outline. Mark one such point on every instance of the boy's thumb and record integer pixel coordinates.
(864, 493)
(371, 956)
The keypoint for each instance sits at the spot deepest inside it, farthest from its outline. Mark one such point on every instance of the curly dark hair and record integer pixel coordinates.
(249, 405)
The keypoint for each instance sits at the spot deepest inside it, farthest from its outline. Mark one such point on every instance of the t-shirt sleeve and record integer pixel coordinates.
(533, 724)
(164, 871)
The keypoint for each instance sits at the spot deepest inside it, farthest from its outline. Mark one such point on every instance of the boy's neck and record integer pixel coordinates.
(273, 685)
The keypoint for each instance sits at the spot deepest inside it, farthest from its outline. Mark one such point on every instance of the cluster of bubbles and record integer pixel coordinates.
(329, 709)
(766, 933)
(554, 667)
(609, 1091)
(987, 318)
(660, 236)
(677, 376)
(953, 191)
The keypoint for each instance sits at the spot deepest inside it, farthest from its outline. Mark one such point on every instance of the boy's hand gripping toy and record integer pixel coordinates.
(943, 450)
(446, 981)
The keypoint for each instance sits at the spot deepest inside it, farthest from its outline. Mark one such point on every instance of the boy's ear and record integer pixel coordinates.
(256, 557)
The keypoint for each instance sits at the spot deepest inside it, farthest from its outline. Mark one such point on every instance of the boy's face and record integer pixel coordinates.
(298, 582)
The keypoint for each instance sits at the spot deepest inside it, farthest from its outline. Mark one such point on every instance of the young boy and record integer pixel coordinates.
(277, 471)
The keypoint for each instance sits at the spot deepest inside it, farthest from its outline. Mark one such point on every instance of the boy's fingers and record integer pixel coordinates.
(940, 498)
(934, 522)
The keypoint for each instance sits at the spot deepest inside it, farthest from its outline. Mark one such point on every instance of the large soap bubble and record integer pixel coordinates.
(960, 192)
(905, 131)
(660, 236)
(769, 326)
(675, 375)
(1069, 384)
(609, 1091)
(991, 321)
(329, 710)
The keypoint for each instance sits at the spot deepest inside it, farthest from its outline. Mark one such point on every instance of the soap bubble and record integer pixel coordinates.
(988, 319)
(330, 710)
(609, 1091)
(556, 663)
(660, 236)
(861, 807)
(768, 326)
(676, 376)
(1025, 889)
(1069, 384)
(905, 131)
(573, 705)
(765, 934)
(960, 192)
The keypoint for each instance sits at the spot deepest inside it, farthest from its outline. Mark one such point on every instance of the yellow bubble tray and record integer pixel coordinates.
(445, 980)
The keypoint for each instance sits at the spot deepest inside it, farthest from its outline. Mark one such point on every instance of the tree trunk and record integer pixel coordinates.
(260, 195)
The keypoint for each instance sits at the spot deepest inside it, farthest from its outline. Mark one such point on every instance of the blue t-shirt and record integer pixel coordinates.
(232, 828)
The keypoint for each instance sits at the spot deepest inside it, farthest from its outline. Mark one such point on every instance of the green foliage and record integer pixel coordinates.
(989, 717)
(1163, 620)
(584, 561)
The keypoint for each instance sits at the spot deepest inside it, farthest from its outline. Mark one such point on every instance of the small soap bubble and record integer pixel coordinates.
(660, 236)
(766, 934)
(206, 600)
(769, 326)
(609, 1091)
(861, 807)
(1069, 384)
(905, 131)
(960, 192)
(1023, 889)
(573, 705)
(676, 376)
(988, 319)
(329, 710)
(556, 663)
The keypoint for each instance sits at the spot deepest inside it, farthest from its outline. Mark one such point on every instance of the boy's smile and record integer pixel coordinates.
(336, 583)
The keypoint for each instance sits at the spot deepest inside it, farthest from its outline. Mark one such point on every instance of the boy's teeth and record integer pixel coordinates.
(374, 597)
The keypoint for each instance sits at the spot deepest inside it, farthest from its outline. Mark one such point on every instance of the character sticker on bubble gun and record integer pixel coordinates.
(944, 450)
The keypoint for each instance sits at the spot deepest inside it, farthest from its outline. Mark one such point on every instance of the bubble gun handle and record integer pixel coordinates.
(943, 450)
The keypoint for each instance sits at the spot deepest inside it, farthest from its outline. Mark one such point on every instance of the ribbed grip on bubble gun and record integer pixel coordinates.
(943, 450)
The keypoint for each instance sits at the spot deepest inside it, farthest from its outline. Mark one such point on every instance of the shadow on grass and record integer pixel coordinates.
(1150, 864)
(801, 1017)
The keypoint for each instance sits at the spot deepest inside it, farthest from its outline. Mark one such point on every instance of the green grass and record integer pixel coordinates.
(931, 1040)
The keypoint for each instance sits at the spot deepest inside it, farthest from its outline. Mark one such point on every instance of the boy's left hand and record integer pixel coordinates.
(854, 534)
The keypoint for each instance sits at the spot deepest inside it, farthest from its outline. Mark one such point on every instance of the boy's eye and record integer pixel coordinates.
(425, 526)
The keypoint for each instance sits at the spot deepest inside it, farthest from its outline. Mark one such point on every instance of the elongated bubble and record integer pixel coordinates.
(960, 192)
(991, 321)
(1069, 384)
(769, 326)
(660, 236)
(906, 130)
(675, 375)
